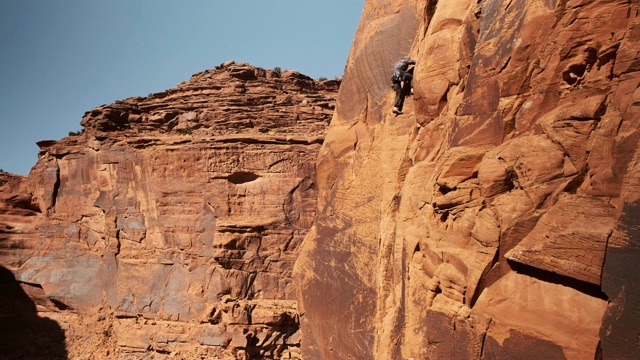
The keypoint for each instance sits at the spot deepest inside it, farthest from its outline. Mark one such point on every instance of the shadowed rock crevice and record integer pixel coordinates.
(574, 73)
(241, 177)
(584, 287)
(55, 188)
(22, 202)
(429, 11)
(23, 333)
(488, 278)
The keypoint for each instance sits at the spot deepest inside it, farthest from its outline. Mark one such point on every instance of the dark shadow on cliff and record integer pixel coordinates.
(23, 334)
(554, 278)
(620, 331)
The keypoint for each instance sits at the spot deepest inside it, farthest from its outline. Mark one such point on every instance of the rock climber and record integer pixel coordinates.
(401, 81)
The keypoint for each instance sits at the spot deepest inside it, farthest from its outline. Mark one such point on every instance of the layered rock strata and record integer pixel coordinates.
(169, 226)
(496, 218)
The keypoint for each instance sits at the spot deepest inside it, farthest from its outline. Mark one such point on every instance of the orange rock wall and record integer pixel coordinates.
(170, 225)
(495, 218)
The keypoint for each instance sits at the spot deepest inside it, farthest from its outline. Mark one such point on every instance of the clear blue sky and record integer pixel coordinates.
(60, 58)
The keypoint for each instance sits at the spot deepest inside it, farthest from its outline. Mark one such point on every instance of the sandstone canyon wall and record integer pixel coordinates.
(170, 225)
(498, 216)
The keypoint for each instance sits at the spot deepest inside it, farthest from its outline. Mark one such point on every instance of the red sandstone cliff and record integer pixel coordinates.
(496, 218)
(169, 226)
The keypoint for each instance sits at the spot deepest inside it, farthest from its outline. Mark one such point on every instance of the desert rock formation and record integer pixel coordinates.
(496, 218)
(170, 225)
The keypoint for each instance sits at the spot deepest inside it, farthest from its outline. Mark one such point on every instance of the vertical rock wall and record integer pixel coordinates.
(495, 218)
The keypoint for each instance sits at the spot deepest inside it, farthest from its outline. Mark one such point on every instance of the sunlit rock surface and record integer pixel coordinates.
(170, 225)
(498, 216)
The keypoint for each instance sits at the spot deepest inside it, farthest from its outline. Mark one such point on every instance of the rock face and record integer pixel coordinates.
(18, 218)
(170, 225)
(496, 218)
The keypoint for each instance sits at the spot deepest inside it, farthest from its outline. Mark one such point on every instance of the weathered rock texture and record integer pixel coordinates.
(496, 218)
(170, 225)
